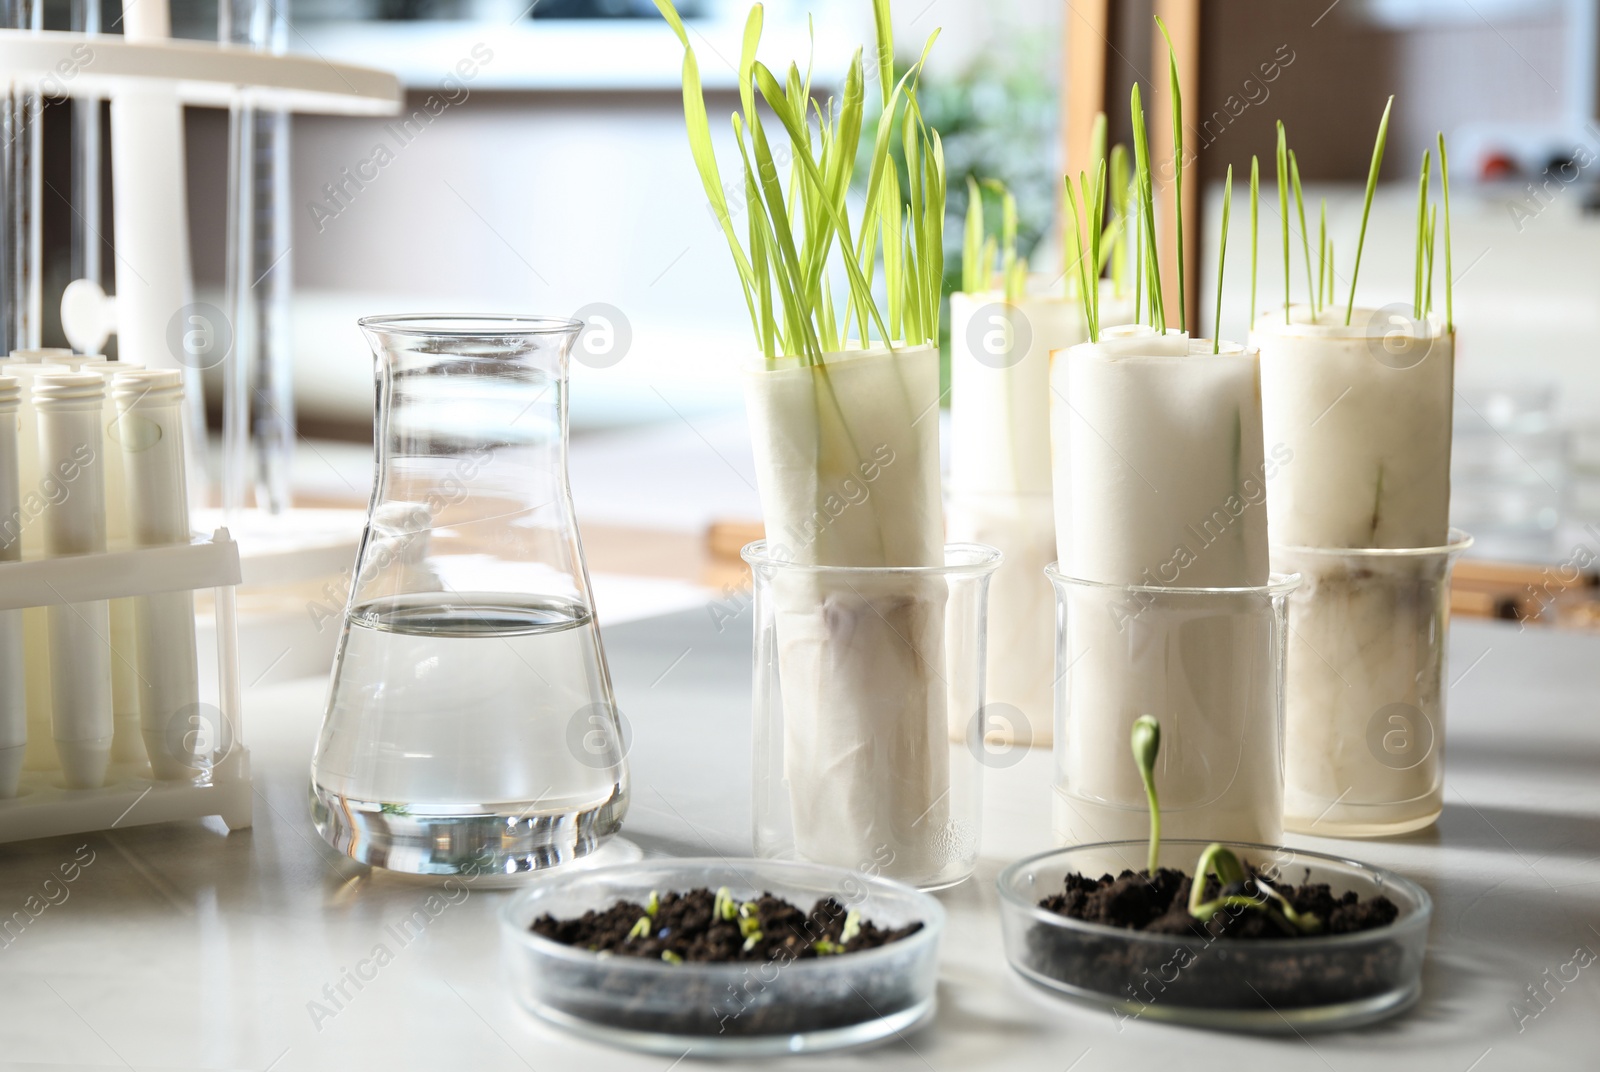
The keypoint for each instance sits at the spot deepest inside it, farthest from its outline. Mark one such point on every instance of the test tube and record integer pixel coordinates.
(27, 366)
(68, 407)
(13, 696)
(150, 428)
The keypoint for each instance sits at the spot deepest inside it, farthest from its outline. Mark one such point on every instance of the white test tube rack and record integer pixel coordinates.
(98, 66)
(131, 797)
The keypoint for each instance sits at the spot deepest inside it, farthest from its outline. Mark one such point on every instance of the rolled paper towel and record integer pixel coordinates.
(847, 463)
(1365, 411)
(1160, 493)
(1000, 486)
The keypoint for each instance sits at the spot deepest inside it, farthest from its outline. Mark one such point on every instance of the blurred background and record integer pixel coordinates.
(555, 178)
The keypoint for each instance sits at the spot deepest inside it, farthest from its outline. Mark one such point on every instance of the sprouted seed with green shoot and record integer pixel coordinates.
(1217, 859)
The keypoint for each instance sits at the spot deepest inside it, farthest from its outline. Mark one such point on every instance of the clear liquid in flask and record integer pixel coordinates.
(468, 732)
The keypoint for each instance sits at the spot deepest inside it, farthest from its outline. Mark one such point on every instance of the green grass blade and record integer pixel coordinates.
(1255, 204)
(1118, 192)
(1141, 152)
(1283, 210)
(1082, 265)
(1422, 228)
(1449, 282)
(1366, 208)
(1322, 254)
(1177, 168)
(1222, 260)
(1433, 222)
(884, 26)
(1305, 235)
(971, 240)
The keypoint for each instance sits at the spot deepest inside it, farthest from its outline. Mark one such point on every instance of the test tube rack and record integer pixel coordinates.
(43, 808)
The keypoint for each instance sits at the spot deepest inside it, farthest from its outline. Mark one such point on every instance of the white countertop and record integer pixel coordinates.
(182, 947)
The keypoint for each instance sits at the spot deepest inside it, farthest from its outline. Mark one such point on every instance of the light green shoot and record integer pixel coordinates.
(1146, 742)
(852, 927)
(1418, 267)
(641, 929)
(1283, 210)
(1087, 278)
(826, 948)
(1449, 283)
(1219, 860)
(751, 939)
(749, 925)
(1332, 272)
(974, 270)
(1366, 208)
(1147, 214)
(1322, 255)
(1222, 260)
(1177, 165)
(1433, 222)
(653, 905)
(1118, 191)
(1255, 205)
(1013, 269)
(723, 906)
(1305, 236)
(670, 957)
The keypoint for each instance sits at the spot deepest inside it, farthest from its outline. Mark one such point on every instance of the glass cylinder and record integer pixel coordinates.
(858, 671)
(470, 725)
(1019, 705)
(1364, 736)
(1208, 663)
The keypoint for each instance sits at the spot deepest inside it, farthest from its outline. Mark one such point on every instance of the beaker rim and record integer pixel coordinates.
(469, 324)
(959, 558)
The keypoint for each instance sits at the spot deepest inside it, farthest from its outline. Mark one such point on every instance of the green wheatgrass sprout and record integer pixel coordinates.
(1177, 164)
(1147, 214)
(641, 929)
(1255, 204)
(1146, 743)
(799, 236)
(1322, 254)
(1089, 260)
(1422, 233)
(1119, 179)
(1444, 178)
(723, 905)
(1283, 210)
(1332, 272)
(974, 267)
(653, 905)
(670, 957)
(1222, 260)
(1366, 208)
(1433, 222)
(1305, 235)
(1013, 269)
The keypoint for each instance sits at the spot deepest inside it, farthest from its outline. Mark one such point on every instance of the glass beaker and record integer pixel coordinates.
(1367, 683)
(1209, 664)
(859, 671)
(470, 725)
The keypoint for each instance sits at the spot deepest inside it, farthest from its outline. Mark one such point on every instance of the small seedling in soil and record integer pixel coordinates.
(755, 940)
(703, 926)
(1225, 899)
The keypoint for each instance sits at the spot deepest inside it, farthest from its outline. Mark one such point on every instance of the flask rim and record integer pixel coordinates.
(469, 325)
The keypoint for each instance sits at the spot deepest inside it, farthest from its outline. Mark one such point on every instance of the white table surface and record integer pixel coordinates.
(182, 947)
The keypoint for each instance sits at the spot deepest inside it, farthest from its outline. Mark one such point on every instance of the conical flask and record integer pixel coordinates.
(470, 725)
